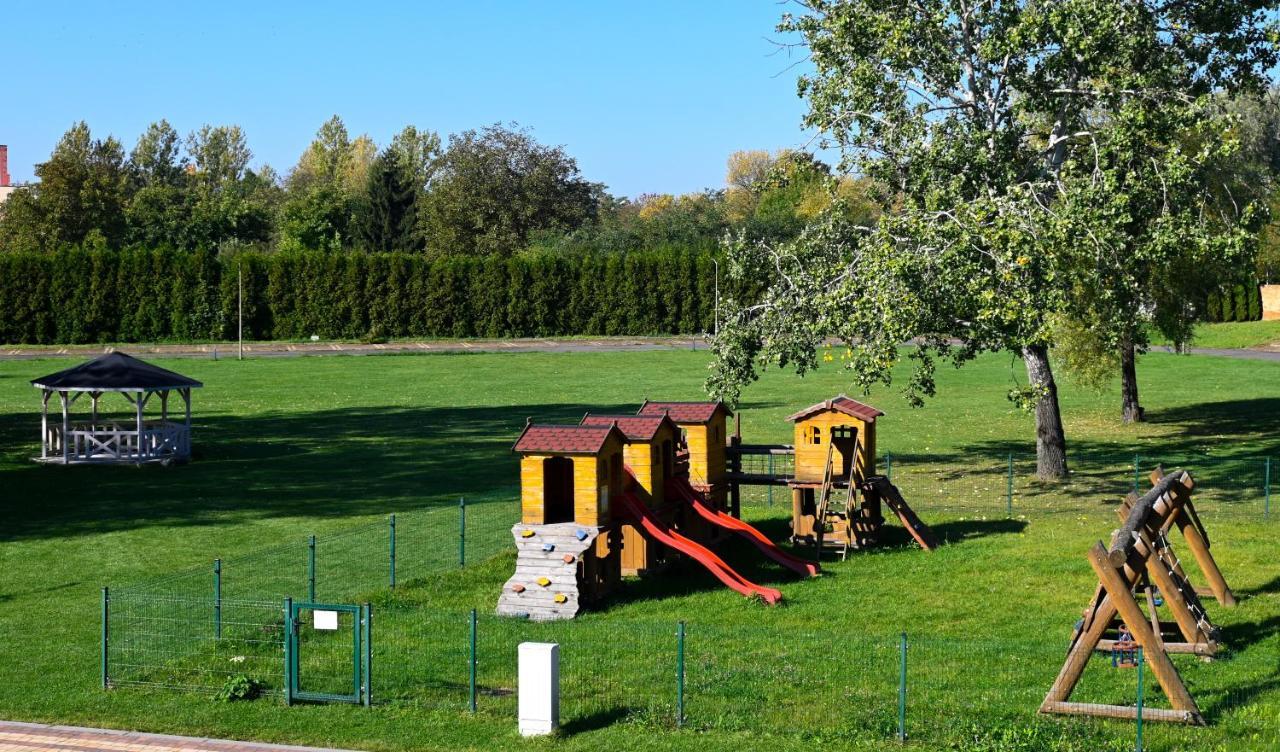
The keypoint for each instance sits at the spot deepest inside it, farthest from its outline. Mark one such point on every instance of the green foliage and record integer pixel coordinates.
(390, 219)
(1213, 307)
(238, 687)
(134, 295)
(492, 188)
(1039, 737)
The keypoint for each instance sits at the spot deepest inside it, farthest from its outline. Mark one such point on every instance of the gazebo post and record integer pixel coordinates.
(186, 441)
(66, 425)
(94, 396)
(164, 405)
(138, 450)
(44, 423)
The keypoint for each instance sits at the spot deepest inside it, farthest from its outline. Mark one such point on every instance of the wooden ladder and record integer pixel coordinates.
(825, 513)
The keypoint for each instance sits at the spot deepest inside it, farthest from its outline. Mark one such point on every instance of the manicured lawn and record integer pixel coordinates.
(1240, 334)
(293, 447)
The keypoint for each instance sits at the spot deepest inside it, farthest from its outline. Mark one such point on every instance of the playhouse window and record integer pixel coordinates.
(815, 435)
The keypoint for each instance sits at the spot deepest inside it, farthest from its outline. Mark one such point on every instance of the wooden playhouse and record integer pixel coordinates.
(565, 555)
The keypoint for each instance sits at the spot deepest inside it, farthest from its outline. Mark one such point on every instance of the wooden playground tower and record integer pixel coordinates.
(618, 494)
(1141, 562)
(837, 498)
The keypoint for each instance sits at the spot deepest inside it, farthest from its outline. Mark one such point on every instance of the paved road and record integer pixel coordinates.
(596, 344)
(296, 349)
(37, 737)
(1270, 353)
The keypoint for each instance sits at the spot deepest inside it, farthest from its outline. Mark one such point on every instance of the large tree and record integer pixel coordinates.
(975, 122)
(389, 220)
(81, 195)
(492, 188)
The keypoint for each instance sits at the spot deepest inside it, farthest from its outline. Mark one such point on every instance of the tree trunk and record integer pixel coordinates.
(1051, 442)
(1129, 406)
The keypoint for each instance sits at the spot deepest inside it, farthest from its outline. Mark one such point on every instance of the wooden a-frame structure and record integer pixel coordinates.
(1141, 560)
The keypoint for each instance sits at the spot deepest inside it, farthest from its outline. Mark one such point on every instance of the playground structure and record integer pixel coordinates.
(620, 495)
(1141, 562)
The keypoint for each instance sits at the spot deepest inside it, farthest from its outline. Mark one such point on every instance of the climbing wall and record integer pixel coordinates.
(546, 584)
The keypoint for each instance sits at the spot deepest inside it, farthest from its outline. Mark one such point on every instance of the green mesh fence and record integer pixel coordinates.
(997, 486)
(199, 628)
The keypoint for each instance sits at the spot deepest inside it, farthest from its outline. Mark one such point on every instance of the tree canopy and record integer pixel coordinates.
(1002, 142)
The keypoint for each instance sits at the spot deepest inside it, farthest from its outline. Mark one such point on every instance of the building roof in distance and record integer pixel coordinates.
(843, 404)
(633, 427)
(114, 372)
(684, 412)
(556, 439)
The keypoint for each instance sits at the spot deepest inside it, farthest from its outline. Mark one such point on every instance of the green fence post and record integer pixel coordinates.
(288, 651)
(1008, 492)
(1266, 488)
(462, 531)
(217, 599)
(680, 675)
(393, 552)
(106, 637)
(311, 569)
(888, 466)
(902, 689)
(473, 660)
(771, 471)
(1137, 746)
(368, 655)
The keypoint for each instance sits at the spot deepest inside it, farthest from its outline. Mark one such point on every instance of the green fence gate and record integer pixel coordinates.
(328, 652)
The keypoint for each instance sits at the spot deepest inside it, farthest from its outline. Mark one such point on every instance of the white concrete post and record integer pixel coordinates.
(539, 688)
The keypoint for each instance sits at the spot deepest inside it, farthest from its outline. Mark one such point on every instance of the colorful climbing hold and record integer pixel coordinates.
(581, 535)
(526, 534)
(568, 558)
(548, 546)
(561, 597)
(517, 588)
(543, 581)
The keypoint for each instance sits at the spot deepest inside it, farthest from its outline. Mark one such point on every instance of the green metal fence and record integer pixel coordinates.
(201, 628)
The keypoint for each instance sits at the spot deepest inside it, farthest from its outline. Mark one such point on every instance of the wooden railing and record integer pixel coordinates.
(119, 442)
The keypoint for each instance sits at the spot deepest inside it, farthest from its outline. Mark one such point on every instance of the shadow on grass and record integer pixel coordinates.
(960, 530)
(1270, 586)
(323, 464)
(595, 721)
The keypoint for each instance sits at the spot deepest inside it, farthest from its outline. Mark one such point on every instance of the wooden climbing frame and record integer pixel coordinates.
(1140, 561)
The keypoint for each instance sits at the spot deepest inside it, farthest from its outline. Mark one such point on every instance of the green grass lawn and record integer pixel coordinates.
(292, 447)
(1236, 335)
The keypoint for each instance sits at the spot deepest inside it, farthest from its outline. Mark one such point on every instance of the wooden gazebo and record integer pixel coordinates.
(129, 442)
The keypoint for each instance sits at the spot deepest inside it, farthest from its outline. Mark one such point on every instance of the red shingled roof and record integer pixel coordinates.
(634, 427)
(549, 439)
(684, 412)
(842, 404)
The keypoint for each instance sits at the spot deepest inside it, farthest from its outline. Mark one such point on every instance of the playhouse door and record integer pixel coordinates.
(845, 439)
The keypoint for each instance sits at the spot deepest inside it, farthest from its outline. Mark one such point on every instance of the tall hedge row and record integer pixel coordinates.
(1235, 303)
(131, 296)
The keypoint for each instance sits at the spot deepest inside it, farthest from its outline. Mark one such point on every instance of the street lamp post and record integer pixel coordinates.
(715, 327)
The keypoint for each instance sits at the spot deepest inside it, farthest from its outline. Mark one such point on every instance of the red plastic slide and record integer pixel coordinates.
(660, 531)
(729, 522)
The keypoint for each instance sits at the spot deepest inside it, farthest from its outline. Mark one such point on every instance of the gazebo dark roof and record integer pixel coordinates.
(115, 372)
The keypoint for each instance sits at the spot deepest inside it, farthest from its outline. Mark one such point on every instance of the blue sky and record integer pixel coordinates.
(649, 96)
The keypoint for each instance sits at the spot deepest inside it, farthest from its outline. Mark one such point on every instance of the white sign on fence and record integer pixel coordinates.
(326, 620)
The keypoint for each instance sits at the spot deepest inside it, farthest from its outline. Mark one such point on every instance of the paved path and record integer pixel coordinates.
(37, 737)
(594, 344)
(295, 349)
